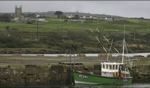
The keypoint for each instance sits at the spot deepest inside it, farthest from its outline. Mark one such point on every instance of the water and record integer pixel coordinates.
(135, 85)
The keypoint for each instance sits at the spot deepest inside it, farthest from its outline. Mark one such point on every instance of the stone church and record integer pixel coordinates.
(18, 11)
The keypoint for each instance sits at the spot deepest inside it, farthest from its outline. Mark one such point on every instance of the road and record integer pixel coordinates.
(37, 60)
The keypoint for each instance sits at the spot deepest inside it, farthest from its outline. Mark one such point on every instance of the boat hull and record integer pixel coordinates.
(91, 79)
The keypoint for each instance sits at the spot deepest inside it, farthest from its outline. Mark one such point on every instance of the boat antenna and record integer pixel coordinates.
(105, 39)
(98, 39)
(108, 55)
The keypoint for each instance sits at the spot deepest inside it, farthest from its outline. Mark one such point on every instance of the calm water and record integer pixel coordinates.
(135, 85)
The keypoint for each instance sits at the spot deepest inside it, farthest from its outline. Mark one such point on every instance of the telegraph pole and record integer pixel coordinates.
(37, 29)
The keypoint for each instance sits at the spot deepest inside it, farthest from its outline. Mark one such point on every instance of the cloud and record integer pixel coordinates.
(120, 8)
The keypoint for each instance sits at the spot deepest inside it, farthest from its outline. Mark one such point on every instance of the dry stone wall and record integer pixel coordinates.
(35, 75)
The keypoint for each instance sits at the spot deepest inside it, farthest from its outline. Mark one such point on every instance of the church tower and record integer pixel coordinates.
(18, 11)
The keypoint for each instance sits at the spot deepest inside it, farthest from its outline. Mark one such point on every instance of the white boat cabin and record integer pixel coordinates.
(113, 69)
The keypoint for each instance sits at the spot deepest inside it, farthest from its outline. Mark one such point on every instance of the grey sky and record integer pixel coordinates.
(120, 8)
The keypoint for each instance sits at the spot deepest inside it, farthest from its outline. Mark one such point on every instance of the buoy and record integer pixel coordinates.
(121, 76)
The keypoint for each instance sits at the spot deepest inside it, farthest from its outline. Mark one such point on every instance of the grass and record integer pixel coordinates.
(91, 65)
(147, 62)
(56, 24)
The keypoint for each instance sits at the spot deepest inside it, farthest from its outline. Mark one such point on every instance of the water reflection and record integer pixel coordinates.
(136, 85)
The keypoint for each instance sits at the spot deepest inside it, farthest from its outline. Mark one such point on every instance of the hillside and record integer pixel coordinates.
(52, 14)
(58, 36)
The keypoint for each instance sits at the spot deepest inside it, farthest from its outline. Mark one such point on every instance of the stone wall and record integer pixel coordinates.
(141, 73)
(26, 75)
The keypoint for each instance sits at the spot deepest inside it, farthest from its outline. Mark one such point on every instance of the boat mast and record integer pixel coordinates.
(123, 46)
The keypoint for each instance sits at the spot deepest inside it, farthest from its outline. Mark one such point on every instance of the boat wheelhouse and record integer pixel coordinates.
(110, 69)
(113, 69)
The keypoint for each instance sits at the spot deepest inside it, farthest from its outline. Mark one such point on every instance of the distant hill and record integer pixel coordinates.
(89, 14)
(51, 14)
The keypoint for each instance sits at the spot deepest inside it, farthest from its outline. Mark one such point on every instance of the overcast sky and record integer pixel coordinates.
(119, 8)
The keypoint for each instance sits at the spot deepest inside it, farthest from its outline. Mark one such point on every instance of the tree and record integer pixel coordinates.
(59, 14)
(5, 17)
(31, 15)
(7, 27)
(76, 17)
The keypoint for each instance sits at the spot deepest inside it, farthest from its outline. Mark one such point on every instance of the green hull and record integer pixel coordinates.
(91, 79)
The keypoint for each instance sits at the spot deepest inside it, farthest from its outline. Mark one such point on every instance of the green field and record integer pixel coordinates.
(58, 35)
(140, 25)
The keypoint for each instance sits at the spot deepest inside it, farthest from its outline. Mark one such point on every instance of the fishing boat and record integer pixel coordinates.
(115, 73)
(111, 73)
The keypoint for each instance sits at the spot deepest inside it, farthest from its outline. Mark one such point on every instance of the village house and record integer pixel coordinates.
(69, 16)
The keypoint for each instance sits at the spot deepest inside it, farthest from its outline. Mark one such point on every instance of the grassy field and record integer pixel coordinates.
(58, 35)
(140, 25)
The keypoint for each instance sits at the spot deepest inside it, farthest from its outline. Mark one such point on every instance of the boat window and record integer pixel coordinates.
(116, 66)
(113, 66)
(123, 69)
(103, 66)
(107, 66)
(110, 66)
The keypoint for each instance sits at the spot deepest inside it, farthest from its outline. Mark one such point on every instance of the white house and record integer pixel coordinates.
(69, 16)
(108, 18)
